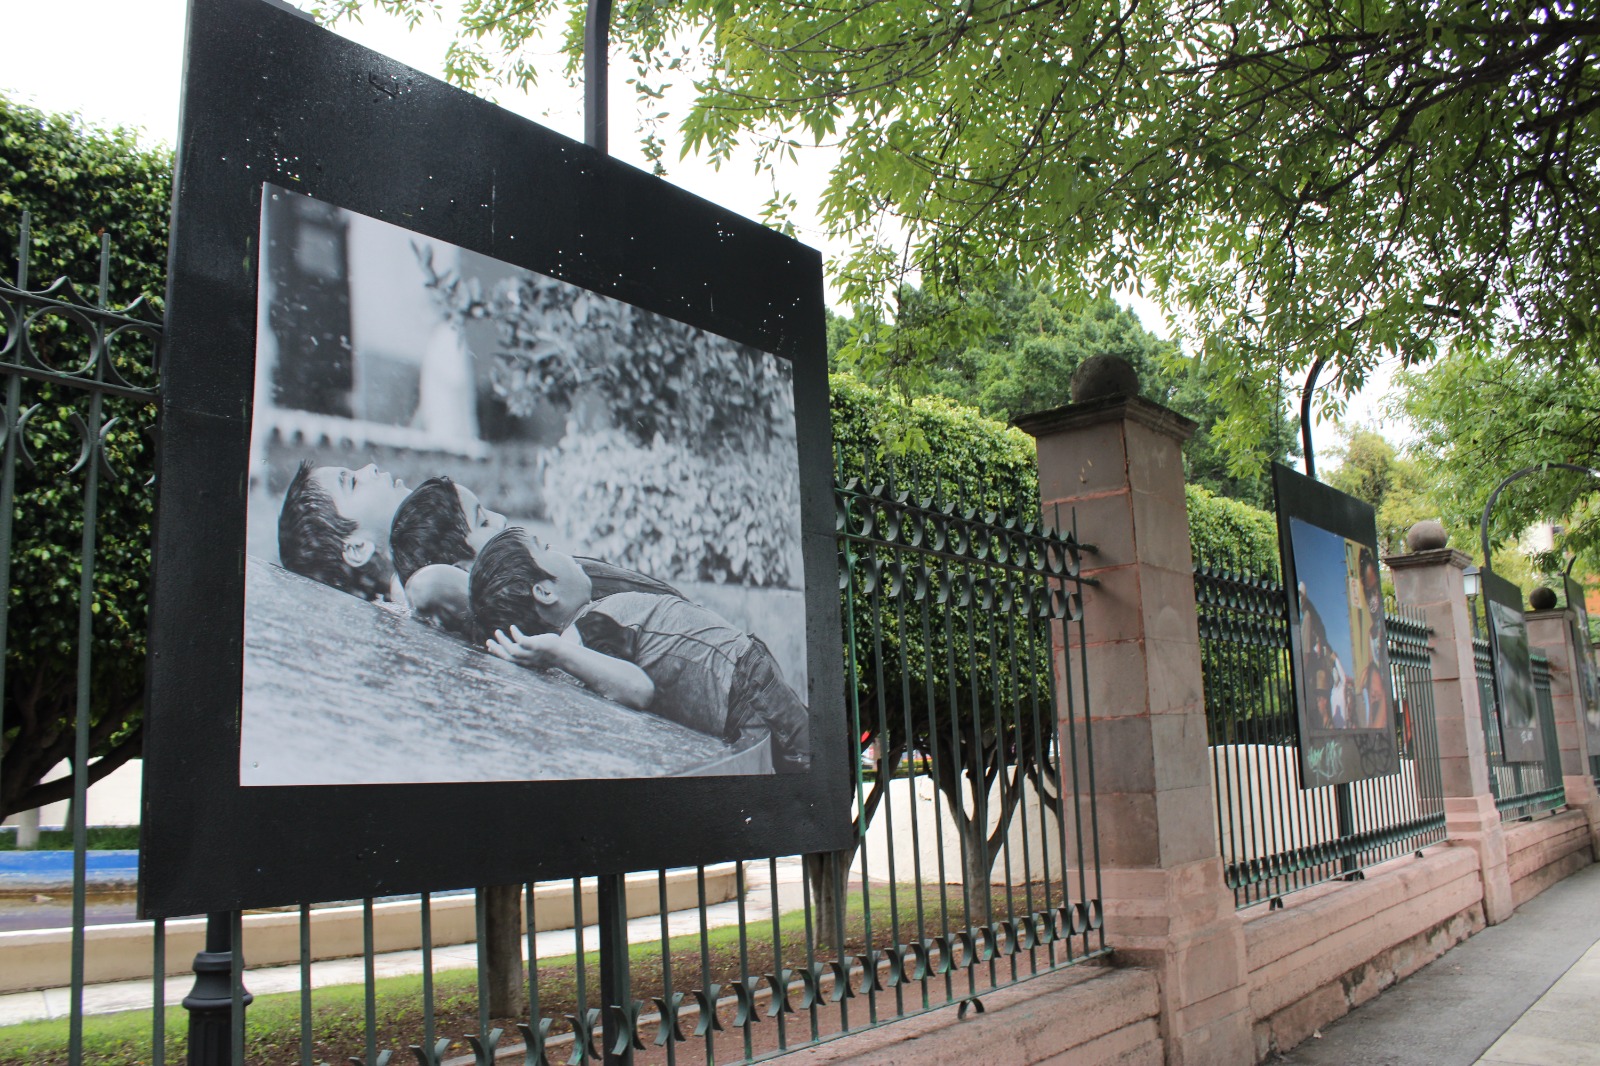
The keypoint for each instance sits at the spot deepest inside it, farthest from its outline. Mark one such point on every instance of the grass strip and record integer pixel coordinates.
(101, 838)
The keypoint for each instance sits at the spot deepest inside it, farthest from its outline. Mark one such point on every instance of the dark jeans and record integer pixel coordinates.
(761, 703)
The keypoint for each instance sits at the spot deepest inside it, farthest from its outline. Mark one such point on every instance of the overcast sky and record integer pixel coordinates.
(120, 62)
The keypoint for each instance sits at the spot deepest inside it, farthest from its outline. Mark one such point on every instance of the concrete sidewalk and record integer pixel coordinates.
(1525, 992)
(1563, 1027)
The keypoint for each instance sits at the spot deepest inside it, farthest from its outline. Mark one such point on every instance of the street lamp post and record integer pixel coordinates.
(618, 1013)
(1305, 416)
(1483, 525)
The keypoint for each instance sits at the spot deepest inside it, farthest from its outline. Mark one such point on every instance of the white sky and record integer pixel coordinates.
(119, 62)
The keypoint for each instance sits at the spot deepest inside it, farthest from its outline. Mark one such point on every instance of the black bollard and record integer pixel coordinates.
(210, 1001)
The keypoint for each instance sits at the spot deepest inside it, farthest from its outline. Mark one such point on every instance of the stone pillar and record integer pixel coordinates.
(1430, 578)
(1552, 631)
(1115, 461)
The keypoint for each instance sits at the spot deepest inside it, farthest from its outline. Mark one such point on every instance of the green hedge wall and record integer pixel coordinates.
(77, 182)
(1232, 534)
(945, 445)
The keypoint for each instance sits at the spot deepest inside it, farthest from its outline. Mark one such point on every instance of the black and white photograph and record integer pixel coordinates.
(1586, 684)
(1521, 737)
(496, 537)
(502, 528)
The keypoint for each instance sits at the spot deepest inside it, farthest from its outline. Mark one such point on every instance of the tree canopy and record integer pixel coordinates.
(1314, 178)
(1030, 341)
(1401, 489)
(1422, 481)
(1485, 413)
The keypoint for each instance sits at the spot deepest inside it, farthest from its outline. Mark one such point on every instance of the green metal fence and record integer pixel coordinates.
(975, 865)
(79, 389)
(1274, 836)
(1521, 789)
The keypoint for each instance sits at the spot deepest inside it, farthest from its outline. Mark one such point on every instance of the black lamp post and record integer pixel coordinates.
(619, 1018)
(1483, 525)
(1305, 416)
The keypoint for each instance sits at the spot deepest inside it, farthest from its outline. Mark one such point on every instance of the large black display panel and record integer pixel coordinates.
(1586, 685)
(1339, 656)
(1521, 736)
(495, 535)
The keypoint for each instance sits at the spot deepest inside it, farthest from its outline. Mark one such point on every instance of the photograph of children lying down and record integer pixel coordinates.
(501, 528)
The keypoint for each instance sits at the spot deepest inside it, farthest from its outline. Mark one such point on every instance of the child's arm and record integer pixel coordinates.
(613, 678)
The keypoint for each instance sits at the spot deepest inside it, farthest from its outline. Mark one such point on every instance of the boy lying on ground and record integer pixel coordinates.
(441, 525)
(656, 652)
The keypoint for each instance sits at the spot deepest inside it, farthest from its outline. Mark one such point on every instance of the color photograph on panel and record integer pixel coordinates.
(1339, 654)
(1587, 683)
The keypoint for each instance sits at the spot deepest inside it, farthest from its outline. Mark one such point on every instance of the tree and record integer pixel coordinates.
(1033, 339)
(939, 675)
(1399, 488)
(1484, 413)
(934, 676)
(77, 182)
(1312, 179)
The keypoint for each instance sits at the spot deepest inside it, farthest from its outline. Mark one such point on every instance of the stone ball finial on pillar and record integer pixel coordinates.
(1427, 535)
(1542, 599)
(1100, 376)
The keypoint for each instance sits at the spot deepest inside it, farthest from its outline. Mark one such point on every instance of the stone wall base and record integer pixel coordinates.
(1336, 946)
(1083, 1016)
(1582, 797)
(1288, 1027)
(1540, 853)
(1330, 949)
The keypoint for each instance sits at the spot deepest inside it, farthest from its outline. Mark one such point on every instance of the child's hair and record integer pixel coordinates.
(312, 535)
(429, 527)
(501, 587)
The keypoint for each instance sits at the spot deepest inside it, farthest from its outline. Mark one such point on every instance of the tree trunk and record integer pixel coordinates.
(980, 845)
(826, 872)
(28, 829)
(72, 800)
(502, 919)
(976, 864)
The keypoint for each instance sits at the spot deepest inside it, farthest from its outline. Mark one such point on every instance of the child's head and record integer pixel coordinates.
(440, 522)
(1371, 582)
(439, 596)
(318, 540)
(516, 581)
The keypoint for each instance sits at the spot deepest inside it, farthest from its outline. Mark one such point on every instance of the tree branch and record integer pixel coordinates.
(62, 787)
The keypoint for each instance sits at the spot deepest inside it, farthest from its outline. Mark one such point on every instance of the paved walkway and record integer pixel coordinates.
(1562, 1027)
(1522, 993)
